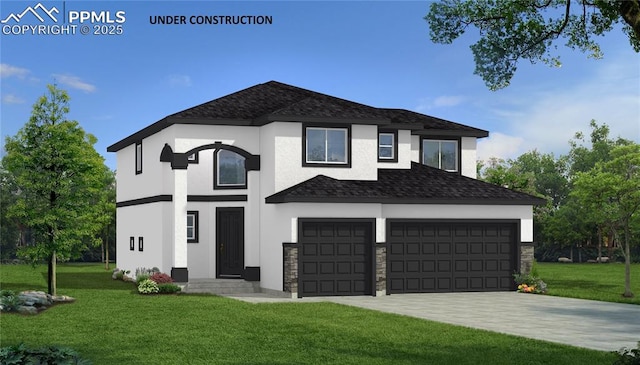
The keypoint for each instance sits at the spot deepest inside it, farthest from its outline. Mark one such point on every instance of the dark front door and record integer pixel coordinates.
(230, 242)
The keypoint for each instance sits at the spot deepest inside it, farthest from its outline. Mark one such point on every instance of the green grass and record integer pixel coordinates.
(111, 324)
(604, 282)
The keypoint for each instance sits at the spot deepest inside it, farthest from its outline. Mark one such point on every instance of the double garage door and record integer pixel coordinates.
(337, 257)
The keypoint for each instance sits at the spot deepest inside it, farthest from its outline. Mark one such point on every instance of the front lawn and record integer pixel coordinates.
(111, 324)
(604, 282)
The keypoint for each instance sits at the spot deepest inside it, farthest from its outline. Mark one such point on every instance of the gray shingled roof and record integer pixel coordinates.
(419, 185)
(273, 101)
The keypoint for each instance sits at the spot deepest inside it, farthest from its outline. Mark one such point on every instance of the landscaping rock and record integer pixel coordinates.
(35, 298)
(62, 299)
(564, 259)
(603, 259)
(25, 309)
(33, 302)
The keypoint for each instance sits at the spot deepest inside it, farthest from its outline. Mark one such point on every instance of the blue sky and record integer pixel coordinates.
(376, 53)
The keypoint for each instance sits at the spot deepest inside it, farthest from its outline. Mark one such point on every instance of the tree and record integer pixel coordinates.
(610, 193)
(9, 228)
(59, 177)
(514, 30)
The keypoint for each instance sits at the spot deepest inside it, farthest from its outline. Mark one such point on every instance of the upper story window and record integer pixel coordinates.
(442, 154)
(388, 146)
(138, 157)
(230, 171)
(192, 227)
(326, 146)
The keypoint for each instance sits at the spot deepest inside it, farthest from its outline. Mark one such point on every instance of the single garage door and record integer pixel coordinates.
(335, 257)
(429, 256)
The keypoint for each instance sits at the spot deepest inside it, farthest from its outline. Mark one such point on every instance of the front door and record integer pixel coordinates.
(230, 242)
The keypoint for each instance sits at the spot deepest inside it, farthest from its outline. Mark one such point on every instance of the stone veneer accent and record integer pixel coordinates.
(290, 260)
(526, 257)
(381, 268)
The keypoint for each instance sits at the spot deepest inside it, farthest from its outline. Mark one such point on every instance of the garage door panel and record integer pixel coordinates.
(327, 268)
(461, 248)
(453, 256)
(476, 248)
(428, 266)
(462, 266)
(444, 248)
(310, 268)
(412, 266)
(444, 266)
(336, 258)
(428, 248)
(396, 249)
(397, 266)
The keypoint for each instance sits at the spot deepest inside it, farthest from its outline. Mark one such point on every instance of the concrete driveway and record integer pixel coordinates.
(583, 323)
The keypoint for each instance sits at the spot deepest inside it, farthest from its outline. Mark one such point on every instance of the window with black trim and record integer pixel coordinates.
(138, 157)
(388, 146)
(441, 154)
(193, 158)
(132, 243)
(140, 244)
(326, 146)
(192, 226)
(229, 169)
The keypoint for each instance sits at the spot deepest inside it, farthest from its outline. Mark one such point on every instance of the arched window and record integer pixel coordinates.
(229, 169)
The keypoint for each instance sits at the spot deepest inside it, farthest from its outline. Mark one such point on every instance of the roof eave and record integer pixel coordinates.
(478, 133)
(284, 199)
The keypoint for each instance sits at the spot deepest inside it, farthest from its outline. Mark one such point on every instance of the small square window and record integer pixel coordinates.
(192, 227)
(387, 146)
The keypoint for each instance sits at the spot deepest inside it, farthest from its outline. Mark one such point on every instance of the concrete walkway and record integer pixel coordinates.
(583, 323)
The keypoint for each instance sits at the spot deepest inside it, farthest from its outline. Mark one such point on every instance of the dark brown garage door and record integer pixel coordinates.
(426, 257)
(335, 257)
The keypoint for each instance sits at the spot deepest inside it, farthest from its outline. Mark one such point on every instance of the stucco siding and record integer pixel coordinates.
(469, 157)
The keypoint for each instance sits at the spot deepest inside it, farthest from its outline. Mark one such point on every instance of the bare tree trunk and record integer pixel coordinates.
(51, 274)
(627, 264)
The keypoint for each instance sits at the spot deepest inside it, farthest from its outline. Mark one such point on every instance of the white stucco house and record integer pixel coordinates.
(314, 195)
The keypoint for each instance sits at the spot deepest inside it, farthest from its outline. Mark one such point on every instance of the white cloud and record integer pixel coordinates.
(7, 70)
(179, 80)
(443, 101)
(12, 99)
(500, 145)
(447, 101)
(547, 119)
(74, 82)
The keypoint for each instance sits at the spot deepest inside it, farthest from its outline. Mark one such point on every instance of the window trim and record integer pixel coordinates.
(346, 128)
(196, 226)
(138, 156)
(194, 158)
(132, 243)
(394, 146)
(216, 185)
(140, 244)
(444, 139)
